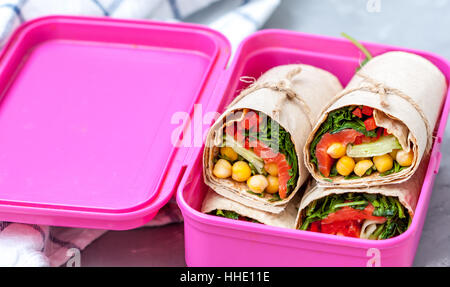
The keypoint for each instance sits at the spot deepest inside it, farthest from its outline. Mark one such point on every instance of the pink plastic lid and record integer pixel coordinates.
(86, 121)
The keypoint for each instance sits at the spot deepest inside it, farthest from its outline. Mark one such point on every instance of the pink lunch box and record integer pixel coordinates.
(91, 123)
(216, 241)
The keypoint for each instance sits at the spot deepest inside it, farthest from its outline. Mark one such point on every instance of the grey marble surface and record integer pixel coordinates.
(419, 24)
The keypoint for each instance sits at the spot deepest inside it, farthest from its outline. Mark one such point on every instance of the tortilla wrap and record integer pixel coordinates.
(291, 95)
(407, 192)
(286, 218)
(407, 92)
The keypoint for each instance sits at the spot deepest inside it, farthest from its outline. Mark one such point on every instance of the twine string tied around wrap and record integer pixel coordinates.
(284, 86)
(383, 91)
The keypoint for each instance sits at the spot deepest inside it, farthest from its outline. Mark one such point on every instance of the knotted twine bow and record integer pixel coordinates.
(284, 86)
(383, 91)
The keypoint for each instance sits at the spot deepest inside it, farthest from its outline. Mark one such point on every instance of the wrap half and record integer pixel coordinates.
(379, 128)
(216, 204)
(253, 153)
(378, 212)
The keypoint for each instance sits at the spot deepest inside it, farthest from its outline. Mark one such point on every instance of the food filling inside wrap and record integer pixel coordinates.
(257, 151)
(350, 144)
(232, 215)
(362, 215)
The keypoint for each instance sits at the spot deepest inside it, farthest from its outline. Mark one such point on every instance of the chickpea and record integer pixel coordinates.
(222, 169)
(271, 168)
(404, 158)
(358, 159)
(383, 163)
(393, 154)
(345, 165)
(241, 171)
(336, 150)
(273, 184)
(362, 167)
(257, 183)
(229, 153)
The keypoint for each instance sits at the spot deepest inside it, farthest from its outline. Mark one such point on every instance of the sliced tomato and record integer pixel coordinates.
(251, 120)
(386, 133)
(325, 161)
(346, 221)
(357, 112)
(364, 139)
(269, 156)
(348, 228)
(247, 144)
(370, 124)
(236, 132)
(379, 133)
(315, 226)
(368, 111)
(230, 130)
(348, 213)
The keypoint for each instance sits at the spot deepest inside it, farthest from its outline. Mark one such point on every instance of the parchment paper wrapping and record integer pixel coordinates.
(286, 218)
(272, 94)
(409, 90)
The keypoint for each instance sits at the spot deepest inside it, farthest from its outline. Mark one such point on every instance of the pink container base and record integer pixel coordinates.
(214, 241)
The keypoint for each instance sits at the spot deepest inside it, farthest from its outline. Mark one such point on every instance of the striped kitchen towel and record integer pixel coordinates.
(35, 245)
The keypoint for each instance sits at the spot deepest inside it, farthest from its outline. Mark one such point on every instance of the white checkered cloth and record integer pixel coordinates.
(35, 245)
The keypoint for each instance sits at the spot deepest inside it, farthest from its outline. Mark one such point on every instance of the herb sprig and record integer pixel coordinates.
(360, 47)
